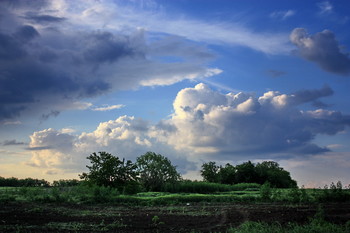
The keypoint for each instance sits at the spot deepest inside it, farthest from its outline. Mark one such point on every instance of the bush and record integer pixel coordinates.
(334, 194)
(265, 191)
(132, 188)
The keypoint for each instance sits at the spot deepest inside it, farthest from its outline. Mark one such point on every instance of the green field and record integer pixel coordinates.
(246, 208)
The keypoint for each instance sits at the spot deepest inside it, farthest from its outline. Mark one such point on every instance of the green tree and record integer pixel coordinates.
(108, 170)
(227, 174)
(270, 171)
(155, 171)
(210, 172)
(245, 173)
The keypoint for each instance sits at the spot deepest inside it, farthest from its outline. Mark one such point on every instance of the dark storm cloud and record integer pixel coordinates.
(37, 4)
(323, 49)
(105, 47)
(320, 104)
(10, 48)
(26, 33)
(47, 66)
(49, 61)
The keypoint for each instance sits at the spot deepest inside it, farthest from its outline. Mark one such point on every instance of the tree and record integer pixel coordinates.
(155, 171)
(245, 173)
(227, 174)
(270, 171)
(210, 172)
(108, 170)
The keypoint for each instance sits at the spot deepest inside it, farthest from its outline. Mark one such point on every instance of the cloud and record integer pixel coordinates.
(44, 19)
(108, 108)
(323, 49)
(276, 73)
(124, 137)
(112, 14)
(10, 122)
(305, 96)
(12, 143)
(51, 57)
(51, 114)
(325, 7)
(206, 124)
(320, 170)
(282, 14)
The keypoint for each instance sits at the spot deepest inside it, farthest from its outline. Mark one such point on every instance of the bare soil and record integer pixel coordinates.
(34, 217)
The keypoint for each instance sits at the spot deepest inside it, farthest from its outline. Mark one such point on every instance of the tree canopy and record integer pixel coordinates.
(248, 172)
(108, 170)
(156, 170)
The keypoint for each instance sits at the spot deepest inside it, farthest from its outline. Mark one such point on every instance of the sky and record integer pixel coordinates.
(193, 80)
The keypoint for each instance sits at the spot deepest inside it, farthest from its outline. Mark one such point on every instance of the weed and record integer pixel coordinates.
(156, 221)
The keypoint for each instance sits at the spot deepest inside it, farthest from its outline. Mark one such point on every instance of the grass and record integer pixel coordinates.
(232, 193)
(314, 226)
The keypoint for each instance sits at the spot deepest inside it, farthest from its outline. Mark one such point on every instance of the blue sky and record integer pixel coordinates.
(194, 80)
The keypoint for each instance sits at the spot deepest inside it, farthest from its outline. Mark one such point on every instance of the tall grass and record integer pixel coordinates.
(182, 192)
(206, 187)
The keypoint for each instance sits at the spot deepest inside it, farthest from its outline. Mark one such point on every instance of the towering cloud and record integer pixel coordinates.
(205, 124)
(238, 124)
(323, 49)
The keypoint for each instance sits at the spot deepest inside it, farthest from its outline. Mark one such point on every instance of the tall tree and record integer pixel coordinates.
(109, 170)
(227, 174)
(156, 170)
(245, 173)
(278, 177)
(210, 172)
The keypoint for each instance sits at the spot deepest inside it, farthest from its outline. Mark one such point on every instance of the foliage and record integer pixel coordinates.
(108, 170)
(265, 191)
(335, 193)
(248, 172)
(278, 177)
(210, 172)
(27, 182)
(314, 226)
(155, 171)
(227, 174)
(188, 186)
(66, 183)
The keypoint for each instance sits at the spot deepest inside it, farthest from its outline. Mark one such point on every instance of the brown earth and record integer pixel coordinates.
(32, 217)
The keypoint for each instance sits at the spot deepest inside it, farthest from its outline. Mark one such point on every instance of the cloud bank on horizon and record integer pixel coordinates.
(205, 124)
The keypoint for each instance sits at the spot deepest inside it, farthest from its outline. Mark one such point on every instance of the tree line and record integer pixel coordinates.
(27, 182)
(248, 172)
(155, 172)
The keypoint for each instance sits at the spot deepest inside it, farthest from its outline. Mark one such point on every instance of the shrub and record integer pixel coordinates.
(265, 191)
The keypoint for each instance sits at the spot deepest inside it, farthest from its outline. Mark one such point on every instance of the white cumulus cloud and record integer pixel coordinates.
(205, 124)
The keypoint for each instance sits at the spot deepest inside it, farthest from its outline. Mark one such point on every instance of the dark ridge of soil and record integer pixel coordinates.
(33, 217)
